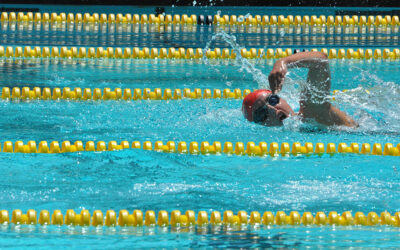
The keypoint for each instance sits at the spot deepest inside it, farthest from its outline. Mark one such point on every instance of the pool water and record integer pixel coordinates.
(137, 35)
(147, 180)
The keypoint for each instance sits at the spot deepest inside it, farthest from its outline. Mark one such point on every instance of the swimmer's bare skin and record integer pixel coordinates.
(319, 80)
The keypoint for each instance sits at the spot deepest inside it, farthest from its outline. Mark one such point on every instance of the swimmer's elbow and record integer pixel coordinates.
(317, 55)
(318, 60)
(323, 55)
(321, 61)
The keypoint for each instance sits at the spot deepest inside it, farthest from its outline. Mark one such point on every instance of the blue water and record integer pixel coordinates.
(134, 35)
(194, 36)
(137, 179)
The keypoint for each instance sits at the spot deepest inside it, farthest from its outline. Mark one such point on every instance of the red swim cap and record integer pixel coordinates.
(247, 106)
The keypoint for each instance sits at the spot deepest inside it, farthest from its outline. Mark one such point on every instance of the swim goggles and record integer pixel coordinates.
(261, 113)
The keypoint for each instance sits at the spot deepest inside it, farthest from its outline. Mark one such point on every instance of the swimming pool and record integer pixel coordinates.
(147, 180)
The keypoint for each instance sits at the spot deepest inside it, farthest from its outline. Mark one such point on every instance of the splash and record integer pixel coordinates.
(243, 63)
(375, 108)
(242, 18)
(373, 104)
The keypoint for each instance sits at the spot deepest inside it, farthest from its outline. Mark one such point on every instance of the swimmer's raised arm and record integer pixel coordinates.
(316, 62)
(314, 101)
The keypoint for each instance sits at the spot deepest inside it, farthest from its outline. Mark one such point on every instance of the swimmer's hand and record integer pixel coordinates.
(277, 76)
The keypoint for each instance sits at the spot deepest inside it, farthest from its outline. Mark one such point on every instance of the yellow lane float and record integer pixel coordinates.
(176, 54)
(262, 149)
(176, 218)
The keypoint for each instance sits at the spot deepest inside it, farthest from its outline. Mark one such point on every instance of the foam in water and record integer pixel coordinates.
(243, 63)
(374, 108)
(371, 114)
(291, 92)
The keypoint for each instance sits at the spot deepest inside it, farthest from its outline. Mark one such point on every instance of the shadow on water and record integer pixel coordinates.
(220, 237)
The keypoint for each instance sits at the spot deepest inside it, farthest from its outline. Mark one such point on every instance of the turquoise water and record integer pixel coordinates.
(283, 237)
(137, 179)
(135, 35)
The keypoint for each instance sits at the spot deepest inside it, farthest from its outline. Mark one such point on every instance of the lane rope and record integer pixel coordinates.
(185, 19)
(262, 149)
(273, 31)
(216, 54)
(188, 219)
(126, 94)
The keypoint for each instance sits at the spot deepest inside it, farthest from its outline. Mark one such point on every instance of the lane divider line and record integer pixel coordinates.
(126, 94)
(188, 219)
(118, 94)
(184, 19)
(184, 54)
(261, 149)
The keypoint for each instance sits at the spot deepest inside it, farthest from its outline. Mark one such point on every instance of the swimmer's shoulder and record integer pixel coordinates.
(326, 114)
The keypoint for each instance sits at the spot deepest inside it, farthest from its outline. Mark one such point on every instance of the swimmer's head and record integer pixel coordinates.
(262, 107)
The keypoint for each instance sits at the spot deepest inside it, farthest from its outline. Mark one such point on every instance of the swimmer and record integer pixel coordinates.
(267, 108)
